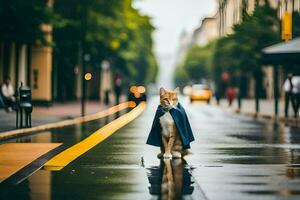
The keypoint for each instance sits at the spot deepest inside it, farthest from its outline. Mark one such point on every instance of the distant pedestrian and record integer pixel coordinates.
(7, 94)
(296, 82)
(230, 94)
(117, 87)
(106, 83)
(291, 91)
(218, 95)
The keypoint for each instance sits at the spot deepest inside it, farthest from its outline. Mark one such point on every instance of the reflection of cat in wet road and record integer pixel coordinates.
(171, 187)
(170, 180)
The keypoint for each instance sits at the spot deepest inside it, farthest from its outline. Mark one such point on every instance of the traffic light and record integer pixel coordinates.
(286, 29)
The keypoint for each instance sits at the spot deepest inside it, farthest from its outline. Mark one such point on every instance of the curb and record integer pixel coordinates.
(290, 121)
(20, 132)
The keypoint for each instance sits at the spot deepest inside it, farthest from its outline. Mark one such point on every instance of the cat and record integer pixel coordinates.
(171, 141)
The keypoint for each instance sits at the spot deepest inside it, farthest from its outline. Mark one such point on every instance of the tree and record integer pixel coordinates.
(21, 26)
(296, 22)
(197, 64)
(20, 20)
(106, 30)
(255, 32)
(239, 53)
(226, 59)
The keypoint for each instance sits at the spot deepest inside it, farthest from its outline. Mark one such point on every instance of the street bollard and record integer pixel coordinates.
(25, 105)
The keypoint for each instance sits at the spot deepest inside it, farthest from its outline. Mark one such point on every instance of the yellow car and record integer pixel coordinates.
(200, 92)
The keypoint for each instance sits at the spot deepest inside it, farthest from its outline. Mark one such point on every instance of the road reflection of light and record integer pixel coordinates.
(40, 184)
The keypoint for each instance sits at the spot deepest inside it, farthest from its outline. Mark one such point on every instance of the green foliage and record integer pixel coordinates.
(111, 30)
(181, 76)
(296, 26)
(226, 57)
(20, 20)
(196, 65)
(255, 32)
(239, 52)
(106, 30)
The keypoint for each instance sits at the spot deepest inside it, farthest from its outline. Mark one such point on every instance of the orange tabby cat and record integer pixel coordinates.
(172, 145)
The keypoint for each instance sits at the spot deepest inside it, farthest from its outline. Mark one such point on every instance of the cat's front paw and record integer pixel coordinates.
(167, 156)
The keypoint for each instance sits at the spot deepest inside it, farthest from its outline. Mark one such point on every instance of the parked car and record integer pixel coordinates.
(201, 92)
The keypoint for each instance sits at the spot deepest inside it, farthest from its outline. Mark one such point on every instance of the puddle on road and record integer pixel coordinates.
(172, 179)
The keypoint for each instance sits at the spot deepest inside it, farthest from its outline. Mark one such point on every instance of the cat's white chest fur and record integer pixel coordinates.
(167, 123)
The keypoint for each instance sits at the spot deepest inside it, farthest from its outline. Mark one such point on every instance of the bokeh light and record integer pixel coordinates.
(141, 89)
(131, 104)
(133, 89)
(88, 76)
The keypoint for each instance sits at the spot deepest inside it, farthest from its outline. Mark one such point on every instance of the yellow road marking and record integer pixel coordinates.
(112, 110)
(64, 158)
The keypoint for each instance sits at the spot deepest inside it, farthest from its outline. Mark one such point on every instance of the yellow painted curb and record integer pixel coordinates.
(87, 118)
(64, 158)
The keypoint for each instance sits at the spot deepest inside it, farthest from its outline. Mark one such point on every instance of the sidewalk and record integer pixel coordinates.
(55, 113)
(267, 109)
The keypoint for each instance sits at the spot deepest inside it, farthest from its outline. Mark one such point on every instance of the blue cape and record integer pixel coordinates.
(182, 124)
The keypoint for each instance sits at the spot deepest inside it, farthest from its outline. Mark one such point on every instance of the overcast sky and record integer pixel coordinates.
(171, 17)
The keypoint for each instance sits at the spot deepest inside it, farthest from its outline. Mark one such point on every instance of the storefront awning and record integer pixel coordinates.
(283, 53)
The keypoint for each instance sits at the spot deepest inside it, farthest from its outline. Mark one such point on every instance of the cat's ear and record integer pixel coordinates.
(176, 90)
(162, 91)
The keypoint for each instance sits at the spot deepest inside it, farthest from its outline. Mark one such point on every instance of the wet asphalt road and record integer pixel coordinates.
(233, 157)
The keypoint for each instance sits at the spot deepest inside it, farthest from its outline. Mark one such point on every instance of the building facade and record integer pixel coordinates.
(201, 35)
(207, 31)
(230, 12)
(30, 65)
